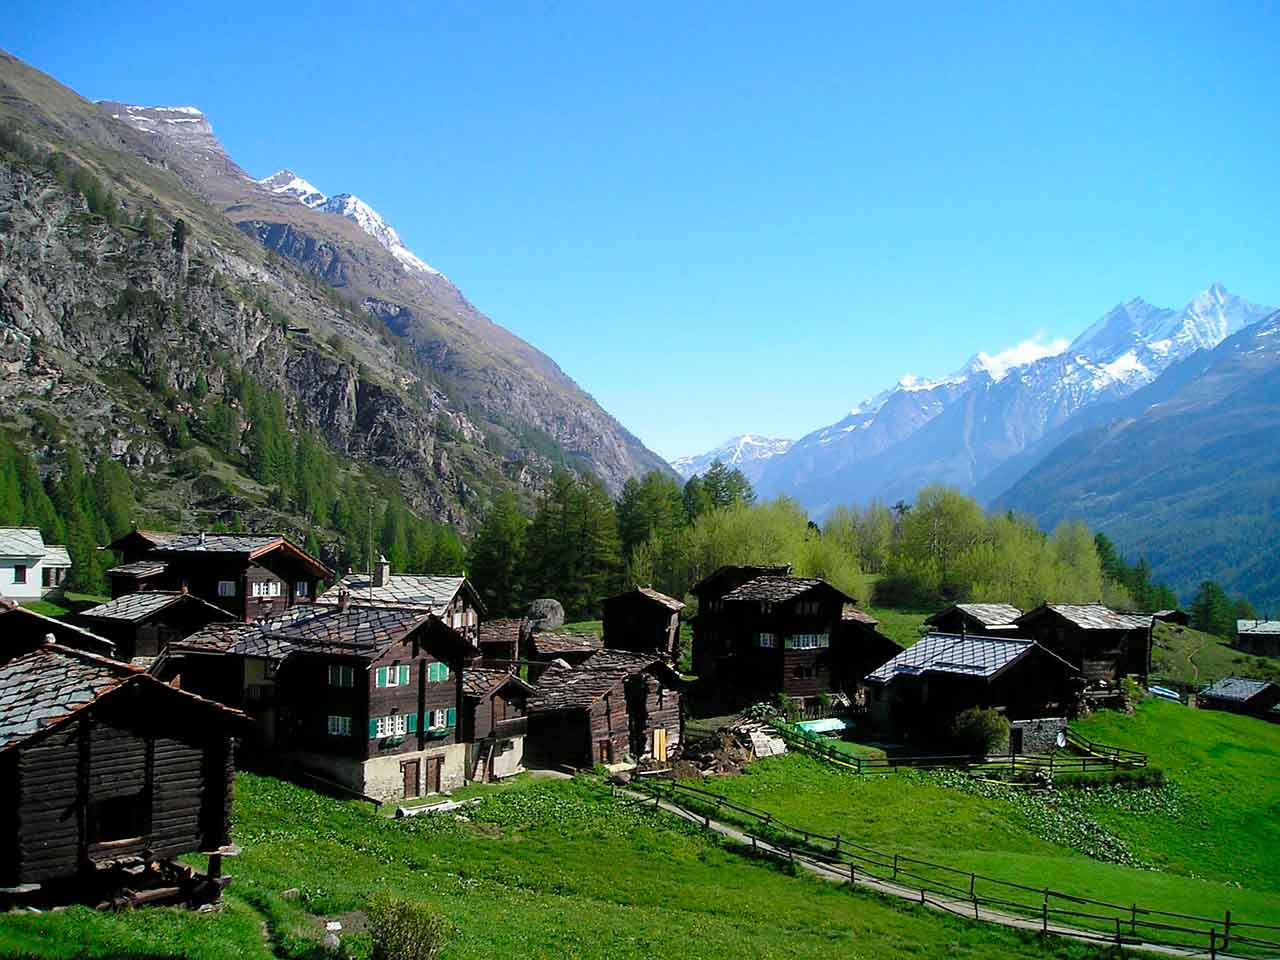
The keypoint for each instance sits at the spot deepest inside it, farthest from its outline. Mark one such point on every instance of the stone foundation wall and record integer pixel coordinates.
(1040, 736)
(384, 778)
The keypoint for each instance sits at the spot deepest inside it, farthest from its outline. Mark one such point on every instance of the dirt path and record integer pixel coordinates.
(961, 908)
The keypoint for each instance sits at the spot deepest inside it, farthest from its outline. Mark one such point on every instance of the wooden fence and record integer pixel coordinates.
(1130, 924)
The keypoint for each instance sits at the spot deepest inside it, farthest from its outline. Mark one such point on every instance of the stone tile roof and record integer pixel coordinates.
(1238, 689)
(216, 638)
(44, 686)
(139, 569)
(563, 687)
(214, 542)
(946, 653)
(479, 682)
(774, 589)
(988, 614)
(134, 607)
(401, 590)
(60, 628)
(21, 542)
(852, 612)
(775, 570)
(505, 631)
(1257, 627)
(1094, 616)
(550, 644)
(56, 555)
(671, 603)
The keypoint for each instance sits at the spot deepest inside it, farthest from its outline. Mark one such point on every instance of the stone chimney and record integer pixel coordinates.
(344, 598)
(382, 572)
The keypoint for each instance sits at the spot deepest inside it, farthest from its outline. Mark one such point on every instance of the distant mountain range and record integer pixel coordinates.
(996, 425)
(747, 453)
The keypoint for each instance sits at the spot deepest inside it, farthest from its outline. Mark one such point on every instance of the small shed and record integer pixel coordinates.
(982, 619)
(1177, 617)
(139, 575)
(858, 648)
(1254, 698)
(105, 767)
(494, 722)
(643, 620)
(1103, 644)
(499, 640)
(572, 648)
(1259, 637)
(22, 630)
(143, 624)
(615, 706)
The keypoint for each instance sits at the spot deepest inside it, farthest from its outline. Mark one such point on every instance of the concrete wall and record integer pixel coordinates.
(1041, 735)
(384, 780)
(508, 757)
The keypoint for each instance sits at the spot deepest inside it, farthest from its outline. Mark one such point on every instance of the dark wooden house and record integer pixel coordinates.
(1177, 617)
(251, 576)
(859, 647)
(711, 624)
(23, 630)
(105, 768)
(643, 620)
(546, 646)
(979, 619)
(366, 697)
(1102, 644)
(1259, 637)
(494, 722)
(451, 599)
(615, 706)
(921, 690)
(144, 623)
(499, 640)
(1254, 698)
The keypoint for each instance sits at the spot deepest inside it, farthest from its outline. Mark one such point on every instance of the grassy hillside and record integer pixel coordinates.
(1189, 657)
(547, 869)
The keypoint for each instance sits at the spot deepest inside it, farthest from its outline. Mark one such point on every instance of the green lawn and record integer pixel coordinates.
(1189, 657)
(541, 869)
(65, 604)
(1207, 843)
(585, 626)
(903, 627)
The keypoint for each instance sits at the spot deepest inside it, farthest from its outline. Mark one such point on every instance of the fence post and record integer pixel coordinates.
(973, 883)
(1117, 929)
(895, 866)
(1213, 944)
(1226, 932)
(1044, 917)
(837, 838)
(1133, 920)
(853, 873)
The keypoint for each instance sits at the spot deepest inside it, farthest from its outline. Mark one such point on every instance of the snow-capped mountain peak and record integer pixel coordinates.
(290, 184)
(747, 452)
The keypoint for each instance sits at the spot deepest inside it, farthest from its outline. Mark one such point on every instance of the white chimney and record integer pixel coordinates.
(382, 572)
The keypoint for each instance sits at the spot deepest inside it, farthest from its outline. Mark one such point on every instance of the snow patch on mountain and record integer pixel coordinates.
(746, 452)
(290, 184)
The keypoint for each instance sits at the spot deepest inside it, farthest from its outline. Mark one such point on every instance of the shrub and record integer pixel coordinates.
(979, 730)
(405, 929)
(1133, 779)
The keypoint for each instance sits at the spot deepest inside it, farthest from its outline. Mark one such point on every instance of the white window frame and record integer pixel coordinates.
(301, 589)
(808, 641)
(339, 726)
(767, 641)
(227, 588)
(265, 589)
(342, 675)
(439, 719)
(393, 725)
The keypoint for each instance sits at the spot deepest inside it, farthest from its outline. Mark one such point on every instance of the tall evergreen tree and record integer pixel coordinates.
(496, 558)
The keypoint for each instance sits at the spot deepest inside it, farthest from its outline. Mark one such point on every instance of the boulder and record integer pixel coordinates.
(546, 614)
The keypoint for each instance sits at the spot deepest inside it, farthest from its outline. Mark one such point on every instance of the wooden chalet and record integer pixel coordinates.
(365, 697)
(1253, 698)
(1102, 644)
(711, 626)
(1259, 637)
(979, 619)
(22, 629)
(494, 723)
(860, 648)
(107, 773)
(451, 599)
(251, 576)
(615, 706)
(144, 623)
(499, 640)
(545, 646)
(921, 690)
(1177, 617)
(643, 620)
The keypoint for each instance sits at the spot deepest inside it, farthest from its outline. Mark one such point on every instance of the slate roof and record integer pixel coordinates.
(776, 570)
(56, 555)
(1094, 616)
(551, 644)
(50, 683)
(214, 542)
(577, 688)
(671, 603)
(1238, 689)
(778, 589)
(479, 682)
(1257, 627)
(988, 614)
(21, 542)
(947, 653)
(216, 638)
(852, 612)
(402, 590)
(506, 631)
(138, 606)
(57, 627)
(139, 570)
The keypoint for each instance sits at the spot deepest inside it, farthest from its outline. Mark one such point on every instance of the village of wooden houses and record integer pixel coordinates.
(395, 694)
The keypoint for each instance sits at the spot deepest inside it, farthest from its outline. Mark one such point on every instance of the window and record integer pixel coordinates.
(301, 589)
(19, 573)
(808, 641)
(50, 576)
(443, 719)
(437, 672)
(266, 588)
(226, 588)
(807, 607)
(768, 641)
(119, 818)
(395, 725)
(396, 675)
(341, 675)
(340, 726)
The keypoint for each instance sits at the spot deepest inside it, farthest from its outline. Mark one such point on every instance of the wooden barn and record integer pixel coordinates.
(144, 623)
(251, 576)
(23, 630)
(920, 691)
(712, 625)
(106, 769)
(1102, 644)
(644, 621)
(1177, 617)
(616, 706)
(1253, 698)
(1259, 637)
(979, 619)
(499, 640)
(858, 648)
(545, 646)
(494, 723)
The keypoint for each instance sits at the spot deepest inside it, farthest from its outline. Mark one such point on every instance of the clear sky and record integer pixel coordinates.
(728, 218)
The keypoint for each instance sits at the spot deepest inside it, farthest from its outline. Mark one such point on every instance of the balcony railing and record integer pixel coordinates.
(515, 727)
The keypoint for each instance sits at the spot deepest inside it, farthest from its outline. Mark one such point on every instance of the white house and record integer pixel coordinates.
(30, 568)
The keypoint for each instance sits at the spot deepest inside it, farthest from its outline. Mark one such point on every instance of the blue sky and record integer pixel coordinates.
(746, 217)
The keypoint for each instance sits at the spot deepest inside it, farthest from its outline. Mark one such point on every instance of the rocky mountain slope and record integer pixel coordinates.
(984, 426)
(1185, 471)
(748, 453)
(110, 330)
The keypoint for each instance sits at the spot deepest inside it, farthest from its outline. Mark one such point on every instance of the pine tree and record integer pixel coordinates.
(496, 558)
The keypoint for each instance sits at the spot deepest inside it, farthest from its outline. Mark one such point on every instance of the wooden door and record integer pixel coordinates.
(410, 769)
(660, 745)
(435, 767)
(1015, 740)
(604, 751)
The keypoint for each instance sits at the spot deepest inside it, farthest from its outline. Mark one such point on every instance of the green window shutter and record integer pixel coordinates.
(380, 680)
(373, 729)
(404, 673)
(451, 718)
(413, 723)
(444, 671)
